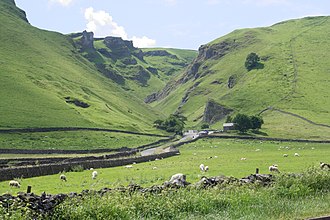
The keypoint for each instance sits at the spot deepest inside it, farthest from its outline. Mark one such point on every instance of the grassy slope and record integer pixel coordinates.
(170, 67)
(39, 68)
(294, 77)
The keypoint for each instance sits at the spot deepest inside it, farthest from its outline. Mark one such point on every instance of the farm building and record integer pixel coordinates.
(228, 126)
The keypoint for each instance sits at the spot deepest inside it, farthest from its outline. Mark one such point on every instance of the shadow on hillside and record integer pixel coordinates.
(259, 66)
(259, 132)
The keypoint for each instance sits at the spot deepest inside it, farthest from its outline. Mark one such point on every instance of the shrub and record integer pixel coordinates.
(77, 168)
(251, 61)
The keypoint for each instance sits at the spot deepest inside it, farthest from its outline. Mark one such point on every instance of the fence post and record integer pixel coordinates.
(257, 170)
(29, 189)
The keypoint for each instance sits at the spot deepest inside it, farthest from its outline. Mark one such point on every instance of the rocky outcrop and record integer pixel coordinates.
(160, 94)
(160, 53)
(122, 48)
(76, 102)
(15, 10)
(214, 112)
(87, 40)
(231, 82)
(152, 70)
(187, 95)
(142, 76)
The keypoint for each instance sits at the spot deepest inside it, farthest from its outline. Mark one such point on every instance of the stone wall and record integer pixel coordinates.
(49, 169)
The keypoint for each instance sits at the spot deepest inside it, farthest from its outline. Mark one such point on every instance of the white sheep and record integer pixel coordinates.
(63, 177)
(94, 174)
(243, 158)
(128, 166)
(274, 168)
(324, 165)
(14, 183)
(202, 167)
(296, 155)
(206, 168)
(285, 155)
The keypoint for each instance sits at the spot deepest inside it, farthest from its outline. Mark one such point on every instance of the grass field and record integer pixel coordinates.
(287, 199)
(226, 160)
(73, 140)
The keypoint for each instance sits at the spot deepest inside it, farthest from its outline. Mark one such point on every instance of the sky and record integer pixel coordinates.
(185, 24)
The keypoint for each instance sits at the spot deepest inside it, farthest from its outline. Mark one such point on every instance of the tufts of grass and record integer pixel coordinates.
(235, 202)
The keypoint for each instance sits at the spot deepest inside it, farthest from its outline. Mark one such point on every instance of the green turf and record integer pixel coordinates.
(73, 140)
(226, 160)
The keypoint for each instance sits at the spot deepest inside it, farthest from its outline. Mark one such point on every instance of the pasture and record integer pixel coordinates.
(222, 156)
(73, 140)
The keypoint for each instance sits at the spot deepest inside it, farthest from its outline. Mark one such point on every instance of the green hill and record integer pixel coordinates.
(140, 71)
(289, 86)
(46, 82)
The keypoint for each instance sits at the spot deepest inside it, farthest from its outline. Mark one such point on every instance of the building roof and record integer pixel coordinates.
(228, 124)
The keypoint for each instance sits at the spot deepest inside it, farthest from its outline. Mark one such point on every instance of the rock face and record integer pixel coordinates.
(214, 112)
(87, 40)
(15, 10)
(231, 82)
(119, 47)
(160, 53)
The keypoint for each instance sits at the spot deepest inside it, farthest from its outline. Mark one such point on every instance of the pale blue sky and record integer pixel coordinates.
(165, 23)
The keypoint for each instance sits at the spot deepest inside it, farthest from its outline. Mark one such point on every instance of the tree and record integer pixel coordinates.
(174, 123)
(242, 122)
(256, 121)
(205, 126)
(251, 61)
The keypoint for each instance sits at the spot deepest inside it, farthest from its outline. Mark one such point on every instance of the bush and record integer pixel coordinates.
(205, 126)
(251, 61)
(242, 122)
(174, 123)
(77, 168)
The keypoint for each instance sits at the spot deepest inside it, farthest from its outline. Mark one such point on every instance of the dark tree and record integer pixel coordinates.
(205, 126)
(229, 119)
(174, 123)
(242, 122)
(256, 121)
(251, 61)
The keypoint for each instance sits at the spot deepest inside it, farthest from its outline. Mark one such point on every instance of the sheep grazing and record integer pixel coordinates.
(94, 174)
(296, 155)
(63, 177)
(274, 168)
(206, 168)
(324, 165)
(243, 158)
(285, 155)
(202, 167)
(128, 166)
(14, 183)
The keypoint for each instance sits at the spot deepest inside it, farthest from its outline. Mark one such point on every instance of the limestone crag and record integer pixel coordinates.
(160, 53)
(87, 40)
(214, 112)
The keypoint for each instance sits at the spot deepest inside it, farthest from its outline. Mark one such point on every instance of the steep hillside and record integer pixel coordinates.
(292, 76)
(140, 71)
(45, 82)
